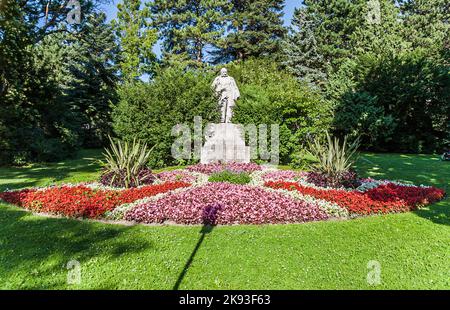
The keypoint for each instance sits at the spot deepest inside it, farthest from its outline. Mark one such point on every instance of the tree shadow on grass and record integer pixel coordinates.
(83, 166)
(438, 213)
(41, 247)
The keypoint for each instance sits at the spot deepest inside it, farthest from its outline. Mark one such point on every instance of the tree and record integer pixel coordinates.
(255, 28)
(188, 27)
(301, 56)
(39, 119)
(406, 97)
(427, 24)
(136, 39)
(93, 70)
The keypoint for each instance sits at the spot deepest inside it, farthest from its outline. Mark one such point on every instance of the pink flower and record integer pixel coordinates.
(238, 204)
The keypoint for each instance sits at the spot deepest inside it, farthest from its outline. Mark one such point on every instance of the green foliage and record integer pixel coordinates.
(55, 81)
(405, 96)
(136, 39)
(187, 27)
(129, 158)
(230, 177)
(360, 115)
(254, 29)
(334, 158)
(408, 262)
(301, 55)
(149, 111)
(272, 96)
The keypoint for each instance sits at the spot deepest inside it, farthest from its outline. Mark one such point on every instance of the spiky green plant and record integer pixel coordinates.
(124, 159)
(334, 158)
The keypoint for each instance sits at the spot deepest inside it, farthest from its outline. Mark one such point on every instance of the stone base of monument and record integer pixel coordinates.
(224, 143)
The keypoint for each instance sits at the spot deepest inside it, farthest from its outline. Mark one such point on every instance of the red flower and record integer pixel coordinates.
(82, 201)
(383, 199)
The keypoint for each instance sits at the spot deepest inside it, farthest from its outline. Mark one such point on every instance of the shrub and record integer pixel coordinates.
(334, 161)
(361, 115)
(230, 177)
(406, 97)
(150, 110)
(125, 164)
(270, 95)
(118, 178)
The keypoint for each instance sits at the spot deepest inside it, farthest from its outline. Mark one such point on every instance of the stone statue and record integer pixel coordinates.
(227, 91)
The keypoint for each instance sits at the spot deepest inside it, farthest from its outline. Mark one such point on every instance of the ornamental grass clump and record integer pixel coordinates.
(125, 164)
(334, 162)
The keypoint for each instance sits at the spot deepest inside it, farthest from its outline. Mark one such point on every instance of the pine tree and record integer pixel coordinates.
(300, 51)
(381, 31)
(427, 23)
(136, 39)
(326, 33)
(39, 117)
(188, 27)
(332, 23)
(255, 28)
(94, 70)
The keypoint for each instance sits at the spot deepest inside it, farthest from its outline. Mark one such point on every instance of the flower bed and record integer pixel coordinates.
(233, 167)
(231, 203)
(82, 201)
(385, 198)
(176, 176)
(190, 196)
(282, 175)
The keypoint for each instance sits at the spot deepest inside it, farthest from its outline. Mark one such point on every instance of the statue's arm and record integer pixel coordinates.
(236, 92)
(214, 84)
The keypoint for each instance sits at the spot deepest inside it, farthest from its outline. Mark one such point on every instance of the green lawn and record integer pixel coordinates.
(412, 248)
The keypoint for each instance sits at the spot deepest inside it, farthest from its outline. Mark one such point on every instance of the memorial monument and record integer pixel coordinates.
(225, 141)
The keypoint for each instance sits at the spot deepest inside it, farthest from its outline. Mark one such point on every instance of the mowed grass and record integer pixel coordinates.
(412, 248)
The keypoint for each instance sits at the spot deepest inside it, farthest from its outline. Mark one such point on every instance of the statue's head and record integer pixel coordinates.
(223, 72)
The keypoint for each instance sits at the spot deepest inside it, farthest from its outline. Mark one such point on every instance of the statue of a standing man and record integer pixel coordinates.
(226, 89)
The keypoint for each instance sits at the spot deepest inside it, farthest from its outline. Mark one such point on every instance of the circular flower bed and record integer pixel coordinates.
(233, 193)
(230, 203)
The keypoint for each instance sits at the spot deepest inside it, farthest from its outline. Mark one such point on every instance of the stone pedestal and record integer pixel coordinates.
(224, 143)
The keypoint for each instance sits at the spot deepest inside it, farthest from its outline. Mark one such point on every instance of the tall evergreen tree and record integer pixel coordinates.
(326, 33)
(255, 28)
(301, 56)
(136, 39)
(332, 22)
(381, 31)
(39, 120)
(188, 27)
(94, 78)
(427, 24)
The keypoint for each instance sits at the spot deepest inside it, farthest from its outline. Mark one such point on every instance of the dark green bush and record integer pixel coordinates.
(230, 177)
(148, 111)
(272, 96)
(268, 96)
(398, 103)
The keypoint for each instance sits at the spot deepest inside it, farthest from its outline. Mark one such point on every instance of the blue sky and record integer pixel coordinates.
(110, 10)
